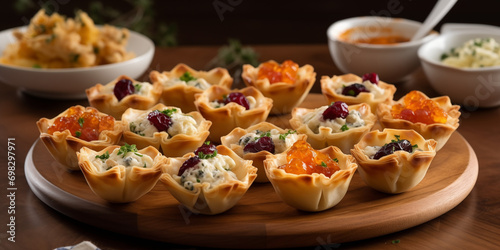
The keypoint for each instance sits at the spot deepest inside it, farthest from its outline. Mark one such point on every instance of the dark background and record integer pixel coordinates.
(212, 22)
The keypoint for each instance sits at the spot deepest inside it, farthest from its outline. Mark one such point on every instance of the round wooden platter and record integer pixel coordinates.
(260, 219)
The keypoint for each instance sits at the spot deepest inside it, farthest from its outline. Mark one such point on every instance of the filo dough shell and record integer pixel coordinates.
(314, 192)
(102, 97)
(285, 96)
(232, 115)
(231, 140)
(206, 200)
(344, 140)
(440, 132)
(330, 85)
(397, 172)
(182, 95)
(121, 184)
(171, 146)
(63, 146)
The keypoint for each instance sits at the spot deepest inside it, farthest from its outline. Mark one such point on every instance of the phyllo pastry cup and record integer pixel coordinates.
(122, 93)
(121, 174)
(185, 133)
(332, 88)
(342, 133)
(182, 83)
(247, 143)
(226, 117)
(79, 128)
(213, 185)
(440, 132)
(311, 192)
(396, 172)
(285, 96)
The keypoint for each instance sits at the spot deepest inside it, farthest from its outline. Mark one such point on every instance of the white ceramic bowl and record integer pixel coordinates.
(470, 87)
(392, 62)
(71, 83)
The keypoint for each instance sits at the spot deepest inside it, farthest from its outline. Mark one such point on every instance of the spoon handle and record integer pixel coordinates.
(440, 9)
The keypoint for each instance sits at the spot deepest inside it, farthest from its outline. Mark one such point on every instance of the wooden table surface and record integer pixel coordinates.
(474, 223)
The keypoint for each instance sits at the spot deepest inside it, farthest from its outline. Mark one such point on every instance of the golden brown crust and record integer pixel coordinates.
(285, 96)
(324, 137)
(440, 132)
(328, 90)
(397, 172)
(63, 146)
(231, 141)
(232, 115)
(215, 200)
(182, 96)
(102, 97)
(313, 192)
(171, 146)
(121, 184)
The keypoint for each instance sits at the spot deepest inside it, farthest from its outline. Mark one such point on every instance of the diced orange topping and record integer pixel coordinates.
(286, 72)
(418, 108)
(303, 159)
(86, 125)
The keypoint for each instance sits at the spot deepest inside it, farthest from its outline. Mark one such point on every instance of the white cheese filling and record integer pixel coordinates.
(281, 141)
(199, 83)
(181, 124)
(214, 171)
(252, 103)
(130, 159)
(377, 91)
(314, 120)
(475, 53)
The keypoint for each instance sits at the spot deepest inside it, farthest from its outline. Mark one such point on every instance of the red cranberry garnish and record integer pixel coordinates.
(372, 77)
(337, 109)
(354, 89)
(390, 148)
(263, 143)
(123, 87)
(238, 98)
(189, 163)
(160, 120)
(207, 150)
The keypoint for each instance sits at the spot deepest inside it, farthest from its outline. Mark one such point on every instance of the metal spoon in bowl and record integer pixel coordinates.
(438, 12)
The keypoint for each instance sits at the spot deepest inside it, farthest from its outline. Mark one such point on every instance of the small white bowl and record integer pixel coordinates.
(478, 87)
(70, 83)
(392, 62)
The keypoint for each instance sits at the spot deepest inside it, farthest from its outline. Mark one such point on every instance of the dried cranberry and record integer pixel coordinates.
(123, 87)
(354, 89)
(189, 163)
(160, 120)
(390, 148)
(238, 98)
(337, 109)
(263, 143)
(372, 77)
(206, 149)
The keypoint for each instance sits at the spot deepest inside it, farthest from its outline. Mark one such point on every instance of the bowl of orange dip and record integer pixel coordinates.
(360, 45)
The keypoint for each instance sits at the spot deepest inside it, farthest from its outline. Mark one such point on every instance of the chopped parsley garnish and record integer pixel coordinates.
(323, 164)
(187, 77)
(396, 241)
(265, 134)
(289, 132)
(128, 148)
(78, 133)
(80, 121)
(336, 160)
(137, 87)
(168, 112)
(104, 156)
(96, 50)
(51, 38)
(201, 155)
(74, 57)
(344, 128)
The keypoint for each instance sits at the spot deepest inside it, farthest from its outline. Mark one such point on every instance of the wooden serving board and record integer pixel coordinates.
(260, 219)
